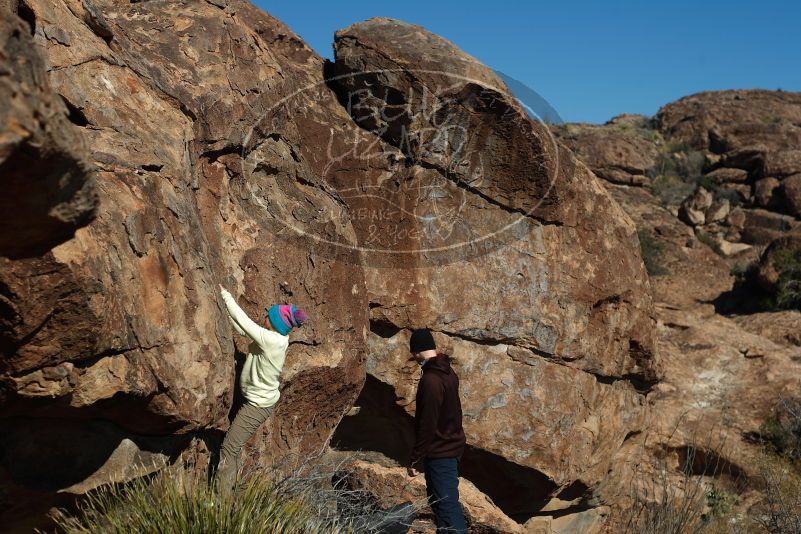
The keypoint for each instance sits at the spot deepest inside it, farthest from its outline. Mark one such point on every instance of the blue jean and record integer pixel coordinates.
(442, 487)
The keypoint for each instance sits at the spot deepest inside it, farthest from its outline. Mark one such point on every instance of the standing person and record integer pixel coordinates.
(439, 437)
(259, 379)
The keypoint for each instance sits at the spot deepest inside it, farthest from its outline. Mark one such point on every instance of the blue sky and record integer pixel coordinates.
(592, 60)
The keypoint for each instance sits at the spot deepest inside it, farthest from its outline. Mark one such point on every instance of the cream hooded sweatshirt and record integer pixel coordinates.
(266, 354)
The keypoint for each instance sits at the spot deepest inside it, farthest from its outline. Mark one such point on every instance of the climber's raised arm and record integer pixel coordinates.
(243, 324)
(282, 318)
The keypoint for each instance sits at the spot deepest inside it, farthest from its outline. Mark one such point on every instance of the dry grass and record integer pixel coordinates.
(282, 499)
(683, 490)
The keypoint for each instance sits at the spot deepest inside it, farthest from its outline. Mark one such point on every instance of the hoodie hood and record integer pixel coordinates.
(440, 363)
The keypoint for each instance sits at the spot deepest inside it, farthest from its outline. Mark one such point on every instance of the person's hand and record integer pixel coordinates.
(412, 472)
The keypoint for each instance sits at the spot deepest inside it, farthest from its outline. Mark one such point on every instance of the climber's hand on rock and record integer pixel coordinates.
(412, 472)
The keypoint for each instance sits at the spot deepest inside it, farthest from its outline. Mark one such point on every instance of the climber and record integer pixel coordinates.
(439, 437)
(259, 378)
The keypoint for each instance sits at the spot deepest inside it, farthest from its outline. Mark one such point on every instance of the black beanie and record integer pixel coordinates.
(422, 340)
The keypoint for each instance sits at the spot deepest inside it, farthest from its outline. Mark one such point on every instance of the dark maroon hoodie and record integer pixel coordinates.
(438, 415)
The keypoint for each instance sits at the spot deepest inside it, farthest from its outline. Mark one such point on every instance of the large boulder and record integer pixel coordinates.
(387, 485)
(507, 175)
(693, 209)
(760, 226)
(536, 287)
(790, 195)
(621, 151)
(725, 121)
(122, 327)
(783, 163)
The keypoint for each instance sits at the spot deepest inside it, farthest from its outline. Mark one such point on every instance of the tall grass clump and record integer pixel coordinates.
(295, 495)
(780, 509)
(178, 501)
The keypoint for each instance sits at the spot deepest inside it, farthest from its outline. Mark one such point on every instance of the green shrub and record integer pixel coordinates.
(679, 161)
(652, 252)
(673, 178)
(719, 192)
(719, 503)
(755, 297)
(779, 511)
(709, 241)
(678, 170)
(781, 432)
(772, 119)
(670, 189)
(176, 501)
(724, 193)
(788, 288)
(665, 165)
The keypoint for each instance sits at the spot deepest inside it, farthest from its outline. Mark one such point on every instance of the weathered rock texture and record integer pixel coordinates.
(721, 188)
(122, 326)
(722, 374)
(529, 183)
(622, 151)
(224, 156)
(550, 328)
(47, 185)
(387, 485)
(741, 146)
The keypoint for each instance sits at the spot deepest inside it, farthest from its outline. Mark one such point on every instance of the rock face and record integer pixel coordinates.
(122, 326)
(754, 134)
(622, 151)
(47, 186)
(736, 124)
(540, 330)
(162, 148)
(725, 175)
(722, 374)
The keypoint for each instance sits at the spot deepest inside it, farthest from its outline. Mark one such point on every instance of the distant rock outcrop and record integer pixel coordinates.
(622, 151)
(740, 146)
(710, 204)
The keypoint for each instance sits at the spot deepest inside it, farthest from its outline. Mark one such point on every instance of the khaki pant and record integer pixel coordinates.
(247, 420)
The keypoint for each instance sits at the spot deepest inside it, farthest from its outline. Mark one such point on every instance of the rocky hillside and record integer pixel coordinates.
(728, 162)
(692, 178)
(153, 150)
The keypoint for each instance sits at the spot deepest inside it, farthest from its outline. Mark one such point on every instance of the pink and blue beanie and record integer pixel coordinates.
(285, 317)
